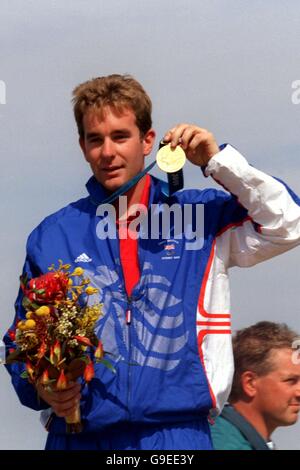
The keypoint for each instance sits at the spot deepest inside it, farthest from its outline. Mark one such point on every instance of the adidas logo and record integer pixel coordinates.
(83, 258)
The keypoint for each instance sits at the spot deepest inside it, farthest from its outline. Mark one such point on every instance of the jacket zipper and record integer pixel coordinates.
(128, 314)
(129, 310)
(128, 323)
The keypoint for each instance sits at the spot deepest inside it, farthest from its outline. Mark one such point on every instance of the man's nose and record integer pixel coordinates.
(108, 148)
(297, 391)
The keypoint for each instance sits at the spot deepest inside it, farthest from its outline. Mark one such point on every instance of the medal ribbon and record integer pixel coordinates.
(175, 181)
(128, 185)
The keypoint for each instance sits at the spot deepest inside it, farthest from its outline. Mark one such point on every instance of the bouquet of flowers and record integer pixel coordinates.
(56, 340)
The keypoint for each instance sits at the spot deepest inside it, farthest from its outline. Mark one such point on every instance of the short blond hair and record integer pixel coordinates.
(117, 91)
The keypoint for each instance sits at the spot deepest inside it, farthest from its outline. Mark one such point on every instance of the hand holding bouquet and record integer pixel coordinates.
(56, 339)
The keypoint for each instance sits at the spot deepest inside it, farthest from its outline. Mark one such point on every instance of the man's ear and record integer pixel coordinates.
(82, 146)
(249, 383)
(148, 141)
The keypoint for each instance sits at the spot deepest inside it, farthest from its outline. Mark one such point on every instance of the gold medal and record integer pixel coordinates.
(170, 160)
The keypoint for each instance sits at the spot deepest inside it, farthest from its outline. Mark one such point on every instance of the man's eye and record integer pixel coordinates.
(94, 140)
(291, 380)
(121, 137)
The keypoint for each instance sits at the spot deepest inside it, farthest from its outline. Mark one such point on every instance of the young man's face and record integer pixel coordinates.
(278, 392)
(114, 147)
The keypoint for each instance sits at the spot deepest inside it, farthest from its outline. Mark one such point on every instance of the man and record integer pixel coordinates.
(265, 391)
(166, 323)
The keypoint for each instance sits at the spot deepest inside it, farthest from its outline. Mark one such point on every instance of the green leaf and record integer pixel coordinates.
(24, 375)
(34, 305)
(61, 362)
(39, 291)
(24, 280)
(107, 364)
(26, 302)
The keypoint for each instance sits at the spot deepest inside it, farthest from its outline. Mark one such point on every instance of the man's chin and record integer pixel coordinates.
(291, 419)
(112, 185)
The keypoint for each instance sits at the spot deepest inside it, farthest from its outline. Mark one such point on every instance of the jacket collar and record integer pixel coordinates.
(158, 190)
(96, 191)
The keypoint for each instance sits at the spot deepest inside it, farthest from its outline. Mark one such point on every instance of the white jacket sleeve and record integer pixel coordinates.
(273, 225)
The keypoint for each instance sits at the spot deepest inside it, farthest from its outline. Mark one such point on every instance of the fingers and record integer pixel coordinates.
(184, 135)
(63, 402)
(63, 409)
(198, 143)
(174, 135)
(197, 139)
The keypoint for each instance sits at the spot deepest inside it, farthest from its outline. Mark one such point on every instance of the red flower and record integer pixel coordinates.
(83, 340)
(57, 350)
(42, 350)
(52, 358)
(45, 377)
(89, 372)
(12, 334)
(55, 353)
(30, 369)
(47, 288)
(62, 381)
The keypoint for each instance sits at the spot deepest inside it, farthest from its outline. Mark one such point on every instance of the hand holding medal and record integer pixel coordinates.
(198, 144)
(184, 140)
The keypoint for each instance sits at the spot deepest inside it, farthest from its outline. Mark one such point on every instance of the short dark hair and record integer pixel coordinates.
(252, 349)
(117, 91)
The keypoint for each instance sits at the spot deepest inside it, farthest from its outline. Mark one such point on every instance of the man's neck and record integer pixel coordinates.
(134, 196)
(248, 411)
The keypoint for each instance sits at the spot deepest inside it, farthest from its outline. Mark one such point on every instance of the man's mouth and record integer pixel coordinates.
(111, 169)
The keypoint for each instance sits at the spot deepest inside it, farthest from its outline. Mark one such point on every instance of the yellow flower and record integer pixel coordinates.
(57, 350)
(29, 324)
(77, 272)
(65, 266)
(74, 296)
(91, 290)
(21, 325)
(42, 311)
(29, 315)
(70, 282)
(99, 353)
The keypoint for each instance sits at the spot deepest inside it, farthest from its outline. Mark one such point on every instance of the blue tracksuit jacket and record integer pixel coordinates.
(174, 360)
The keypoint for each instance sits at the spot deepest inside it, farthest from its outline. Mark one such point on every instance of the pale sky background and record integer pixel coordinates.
(227, 65)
